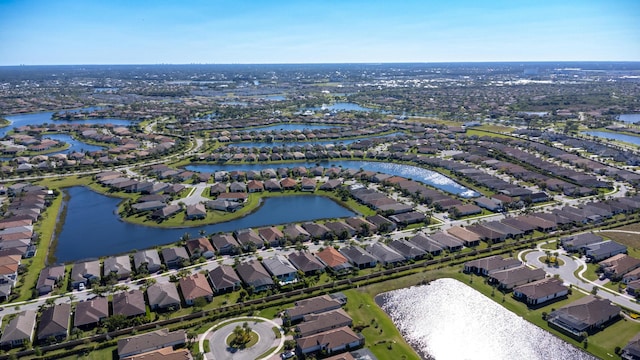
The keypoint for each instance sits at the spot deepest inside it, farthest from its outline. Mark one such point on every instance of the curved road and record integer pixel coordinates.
(262, 326)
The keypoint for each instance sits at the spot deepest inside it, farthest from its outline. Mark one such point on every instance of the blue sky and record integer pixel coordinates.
(304, 31)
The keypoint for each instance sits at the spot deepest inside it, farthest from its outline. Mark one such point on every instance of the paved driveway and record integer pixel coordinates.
(218, 349)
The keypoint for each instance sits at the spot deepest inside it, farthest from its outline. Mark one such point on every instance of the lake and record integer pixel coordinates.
(428, 177)
(93, 229)
(631, 139)
(449, 320)
(290, 127)
(303, 143)
(74, 145)
(45, 117)
(629, 118)
(343, 106)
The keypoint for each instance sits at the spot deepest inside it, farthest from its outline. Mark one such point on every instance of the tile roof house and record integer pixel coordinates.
(358, 257)
(54, 322)
(280, 268)
(314, 305)
(249, 238)
(223, 279)
(618, 265)
(163, 296)
(201, 247)
(151, 341)
(84, 272)
(49, 277)
(175, 257)
(335, 261)
(509, 278)
(195, 286)
(330, 342)
(487, 265)
(147, 259)
(196, 211)
(295, 232)
(306, 262)
(119, 266)
(541, 291)
(317, 323)
(90, 312)
(253, 274)
(226, 244)
(129, 303)
(469, 238)
(317, 231)
(587, 314)
(19, 330)
(271, 235)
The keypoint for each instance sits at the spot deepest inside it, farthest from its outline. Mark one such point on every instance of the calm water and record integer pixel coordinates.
(75, 145)
(290, 127)
(424, 176)
(92, 229)
(343, 106)
(45, 117)
(275, 97)
(450, 320)
(303, 143)
(629, 118)
(631, 139)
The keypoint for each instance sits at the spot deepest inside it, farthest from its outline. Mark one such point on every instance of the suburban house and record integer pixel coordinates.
(196, 211)
(19, 330)
(195, 286)
(314, 305)
(151, 341)
(486, 266)
(425, 243)
(201, 247)
(632, 350)
(602, 250)
(90, 312)
(129, 303)
(271, 235)
(48, 279)
(329, 342)
(147, 259)
(385, 255)
(358, 257)
(448, 242)
(317, 323)
(224, 279)
(248, 238)
(225, 243)
(579, 242)
(295, 233)
(118, 266)
(54, 322)
(587, 314)
(306, 262)
(468, 238)
(363, 226)
(280, 268)
(509, 278)
(317, 231)
(409, 250)
(85, 272)
(541, 291)
(163, 296)
(253, 274)
(175, 257)
(334, 260)
(616, 266)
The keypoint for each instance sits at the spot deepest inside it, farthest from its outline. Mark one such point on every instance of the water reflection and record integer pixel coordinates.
(450, 320)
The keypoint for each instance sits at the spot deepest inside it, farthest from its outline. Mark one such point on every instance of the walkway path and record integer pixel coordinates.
(267, 340)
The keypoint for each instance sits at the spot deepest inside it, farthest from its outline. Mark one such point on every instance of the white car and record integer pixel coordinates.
(288, 354)
(81, 287)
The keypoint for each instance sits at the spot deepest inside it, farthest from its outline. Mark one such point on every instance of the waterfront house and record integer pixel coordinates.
(249, 239)
(335, 261)
(588, 314)
(509, 278)
(272, 185)
(117, 266)
(195, 286)
(49, 277)
(150, 341)
(89, 313)
(175, 257)
(280, 268)
(196, 211)
(271, 235)
(85, 272)
(254, 275)
(541, 291)
(314, 305)
(329, 342)
(306, 262)
(129, 303)
(363, 226)
(147, 261)
(340, 229)
(54, 323)
(166, 212)
(225, 244)
(317, 231)
(358, 257)
(487, 265)
(317, 323)
(163, 296)
(224, 279)
(295, 233)
(308, 184)
(200, 247)
(383, 224)
(19, 330)
(255, 186)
